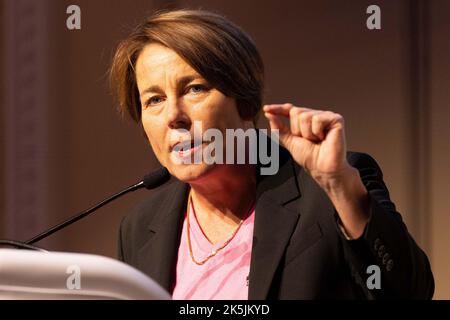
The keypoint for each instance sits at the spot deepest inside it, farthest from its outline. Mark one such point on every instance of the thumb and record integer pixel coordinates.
(276, 123)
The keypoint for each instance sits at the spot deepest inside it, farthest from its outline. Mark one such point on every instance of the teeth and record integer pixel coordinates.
(182, 146)
(186, 146)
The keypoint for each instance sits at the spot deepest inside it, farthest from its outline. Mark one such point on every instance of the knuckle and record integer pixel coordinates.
(293, 111)
(339, 117)
(289, 106)
(318, 122)
(303, 117)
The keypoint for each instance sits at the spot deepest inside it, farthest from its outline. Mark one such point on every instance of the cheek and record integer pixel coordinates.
(154, 134)
(227, 117)
(218, 112)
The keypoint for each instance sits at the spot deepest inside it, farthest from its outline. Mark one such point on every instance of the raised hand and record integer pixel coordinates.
(316, 141)
(315, 138)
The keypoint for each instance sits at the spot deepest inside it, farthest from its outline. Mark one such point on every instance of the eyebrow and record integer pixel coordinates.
(180, 83)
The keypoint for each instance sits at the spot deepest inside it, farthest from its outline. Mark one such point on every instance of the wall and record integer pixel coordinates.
(439, 111)
(390, 85)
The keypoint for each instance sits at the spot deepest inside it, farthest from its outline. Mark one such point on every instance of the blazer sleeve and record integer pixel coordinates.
(404, 268)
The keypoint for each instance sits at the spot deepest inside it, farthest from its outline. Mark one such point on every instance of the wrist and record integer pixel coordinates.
(337, 181)
(350, 199)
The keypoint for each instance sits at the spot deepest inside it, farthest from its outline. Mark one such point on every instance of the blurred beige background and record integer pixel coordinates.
(64, 148)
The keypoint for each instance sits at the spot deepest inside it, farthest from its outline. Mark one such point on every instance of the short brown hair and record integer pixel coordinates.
(216, 48)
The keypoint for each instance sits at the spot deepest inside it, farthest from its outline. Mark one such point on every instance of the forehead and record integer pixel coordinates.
(156, 62)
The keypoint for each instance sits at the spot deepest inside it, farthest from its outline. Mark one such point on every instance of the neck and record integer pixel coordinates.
(226, 194)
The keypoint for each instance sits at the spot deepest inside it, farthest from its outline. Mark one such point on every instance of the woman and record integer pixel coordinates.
(315, 229)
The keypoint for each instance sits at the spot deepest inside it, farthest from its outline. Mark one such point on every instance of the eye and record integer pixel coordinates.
(153, 101)
(197, 88)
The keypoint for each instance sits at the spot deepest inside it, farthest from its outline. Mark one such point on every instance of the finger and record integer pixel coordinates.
(280, 109)
(323, 121)
(276, 122)
(305, 124)
(318, 126)
(295, 114)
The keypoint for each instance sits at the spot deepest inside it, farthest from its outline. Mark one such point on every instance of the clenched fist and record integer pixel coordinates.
(315, 138)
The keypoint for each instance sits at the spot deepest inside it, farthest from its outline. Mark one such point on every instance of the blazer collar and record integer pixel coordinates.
(158, 256)
(275, 220)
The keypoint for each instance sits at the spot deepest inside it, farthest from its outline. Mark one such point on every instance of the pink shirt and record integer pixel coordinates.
(222, 277)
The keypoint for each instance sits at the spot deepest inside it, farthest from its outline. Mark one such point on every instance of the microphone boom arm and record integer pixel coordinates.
(83, 214)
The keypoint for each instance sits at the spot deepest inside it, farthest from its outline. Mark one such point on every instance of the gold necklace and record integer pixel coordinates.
(214, 252)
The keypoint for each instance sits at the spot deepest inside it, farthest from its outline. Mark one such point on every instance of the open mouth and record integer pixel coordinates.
(186, 148)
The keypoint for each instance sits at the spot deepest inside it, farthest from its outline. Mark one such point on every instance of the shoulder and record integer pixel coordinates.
(369, 171)
(362, 160)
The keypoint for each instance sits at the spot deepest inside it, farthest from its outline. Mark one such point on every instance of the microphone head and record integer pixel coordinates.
(156, 178)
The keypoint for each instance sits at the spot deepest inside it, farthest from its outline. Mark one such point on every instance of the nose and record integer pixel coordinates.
(177, 118)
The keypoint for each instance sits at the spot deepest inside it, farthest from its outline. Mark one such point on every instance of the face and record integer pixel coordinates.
(174, 97)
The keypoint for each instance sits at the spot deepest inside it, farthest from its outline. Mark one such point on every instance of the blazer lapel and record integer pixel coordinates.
(274, 225)
(159, 253)
(275, 219)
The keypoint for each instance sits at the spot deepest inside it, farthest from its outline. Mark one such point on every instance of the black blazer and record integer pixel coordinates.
(299, 252)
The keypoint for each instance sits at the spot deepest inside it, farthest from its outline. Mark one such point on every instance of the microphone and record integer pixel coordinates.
(150, 181)
(154, 179)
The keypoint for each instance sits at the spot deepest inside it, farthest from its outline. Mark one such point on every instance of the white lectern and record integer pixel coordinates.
(28, 274)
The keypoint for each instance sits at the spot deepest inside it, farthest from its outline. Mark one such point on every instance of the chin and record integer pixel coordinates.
(190, 172)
